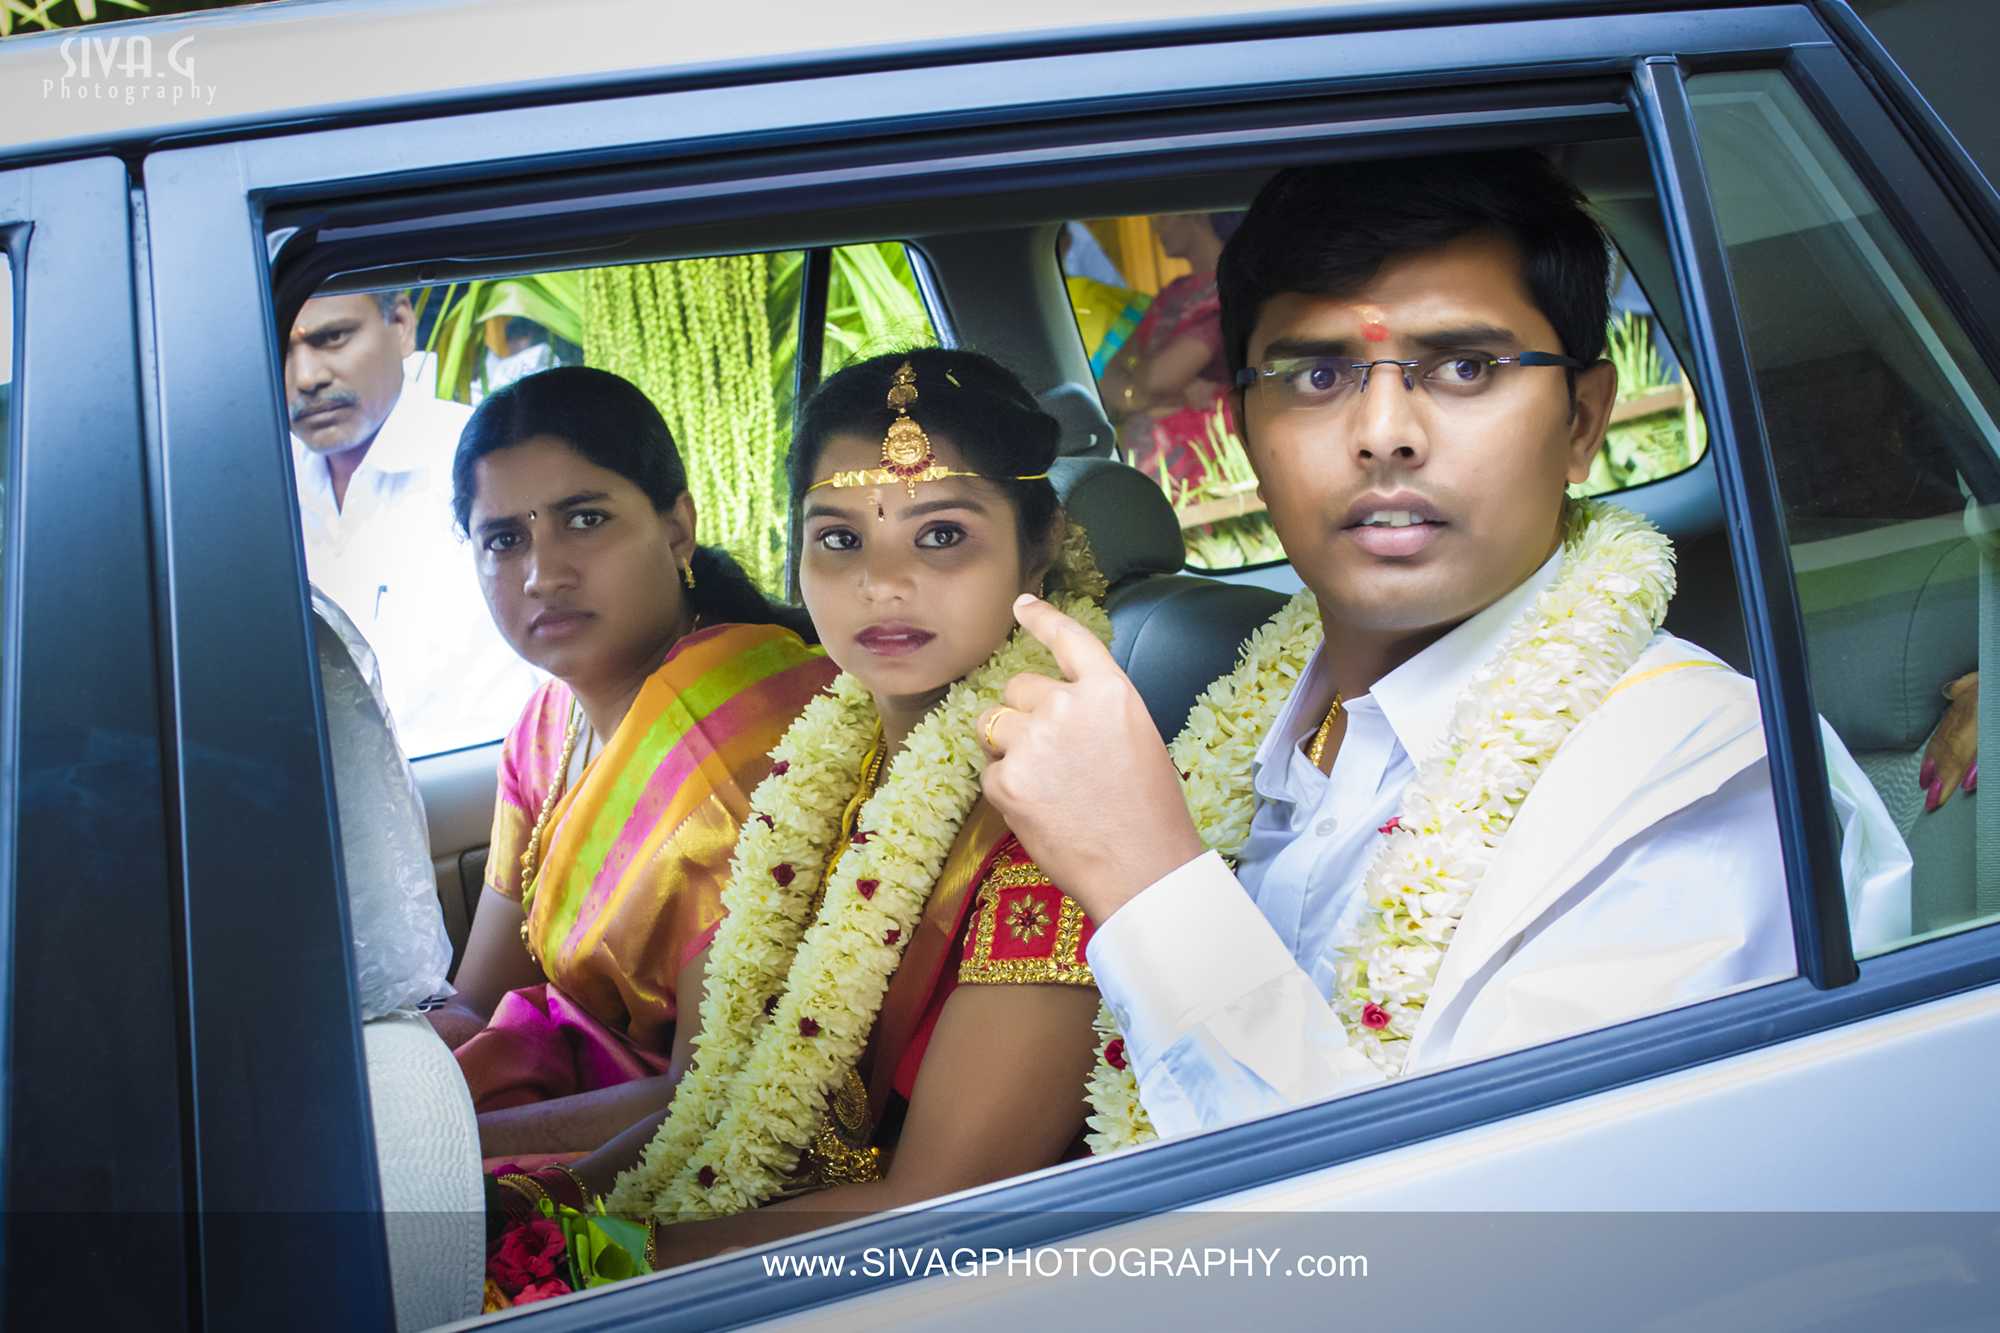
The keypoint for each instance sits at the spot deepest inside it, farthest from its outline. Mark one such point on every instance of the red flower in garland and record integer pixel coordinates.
(866, 887)
(782, 872)
(782, 767)
(808, 1027)
(770, 1006)
(1374, 1016)
(1395, 822)
(861, 837)
(894, 933)
(768, 821)
(541, 1291)
(705, 1177)
(1114, 1054)
(526, 1253)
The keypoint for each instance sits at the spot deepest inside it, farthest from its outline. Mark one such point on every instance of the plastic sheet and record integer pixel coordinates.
(401, 949)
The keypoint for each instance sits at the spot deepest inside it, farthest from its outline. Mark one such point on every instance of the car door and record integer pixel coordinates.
(93, 1099)
(723, 167)
(281, 1144)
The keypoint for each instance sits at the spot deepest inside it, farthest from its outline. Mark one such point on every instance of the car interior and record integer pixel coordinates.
(988, 267)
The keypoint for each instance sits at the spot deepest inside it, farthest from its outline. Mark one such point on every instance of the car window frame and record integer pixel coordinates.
(1761, 554)
(274, 173)
(86, 1013)
(250, 737)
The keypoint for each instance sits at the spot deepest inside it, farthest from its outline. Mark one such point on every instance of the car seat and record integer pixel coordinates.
(1172, 632)
(426, 1135)
(1891, 616)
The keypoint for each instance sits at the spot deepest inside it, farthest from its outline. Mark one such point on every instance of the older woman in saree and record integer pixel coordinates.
(628, 777)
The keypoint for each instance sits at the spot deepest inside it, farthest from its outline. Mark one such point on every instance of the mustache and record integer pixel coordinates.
(338, 398)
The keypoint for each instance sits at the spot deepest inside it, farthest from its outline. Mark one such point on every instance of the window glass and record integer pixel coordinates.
(1657, 430)
(1143, 290)
(872, 306)
(380, 385)
(1882, 426)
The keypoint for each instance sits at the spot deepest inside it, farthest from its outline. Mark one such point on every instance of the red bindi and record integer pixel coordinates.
(1375, 331)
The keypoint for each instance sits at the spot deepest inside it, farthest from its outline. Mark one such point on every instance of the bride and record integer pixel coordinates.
(887, 944)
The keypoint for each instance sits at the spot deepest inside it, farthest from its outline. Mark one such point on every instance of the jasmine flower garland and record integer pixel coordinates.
(790, 999)
(1555, 666)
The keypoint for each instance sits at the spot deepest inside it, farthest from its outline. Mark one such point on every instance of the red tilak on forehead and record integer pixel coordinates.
(1375, 331)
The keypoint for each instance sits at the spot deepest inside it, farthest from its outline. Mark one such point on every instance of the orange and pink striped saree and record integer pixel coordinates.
(637, 856)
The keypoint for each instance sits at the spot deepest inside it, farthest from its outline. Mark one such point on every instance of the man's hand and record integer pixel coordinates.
(1081, 775)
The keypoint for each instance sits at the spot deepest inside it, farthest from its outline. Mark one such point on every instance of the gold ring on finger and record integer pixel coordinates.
(987, 730)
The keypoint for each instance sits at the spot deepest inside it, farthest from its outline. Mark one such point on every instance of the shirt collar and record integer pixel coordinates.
(1419, 697)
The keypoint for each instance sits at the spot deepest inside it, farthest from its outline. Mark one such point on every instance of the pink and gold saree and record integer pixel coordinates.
(637, 855)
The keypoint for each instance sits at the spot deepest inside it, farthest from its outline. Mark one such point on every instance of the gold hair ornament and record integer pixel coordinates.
(907, 455)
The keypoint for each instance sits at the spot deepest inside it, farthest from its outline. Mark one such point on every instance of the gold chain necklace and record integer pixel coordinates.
(1325, 729)
(531, 858)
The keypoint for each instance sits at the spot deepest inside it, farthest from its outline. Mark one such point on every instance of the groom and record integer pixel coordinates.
(1417, 347)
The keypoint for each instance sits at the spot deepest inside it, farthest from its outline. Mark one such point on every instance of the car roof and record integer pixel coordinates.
(314, 63)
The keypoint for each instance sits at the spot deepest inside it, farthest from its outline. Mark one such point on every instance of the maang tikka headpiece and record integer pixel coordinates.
(907, 456)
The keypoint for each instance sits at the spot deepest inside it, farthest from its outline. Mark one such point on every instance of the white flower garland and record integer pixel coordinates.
(790, 1000)
(1556, 664)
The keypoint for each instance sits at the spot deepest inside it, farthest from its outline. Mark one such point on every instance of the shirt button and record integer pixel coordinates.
(1327, 827)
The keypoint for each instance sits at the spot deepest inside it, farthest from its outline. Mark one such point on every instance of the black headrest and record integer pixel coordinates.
(1132, 527)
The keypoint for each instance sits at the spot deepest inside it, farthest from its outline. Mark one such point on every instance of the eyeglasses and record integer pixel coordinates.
(1328, 381)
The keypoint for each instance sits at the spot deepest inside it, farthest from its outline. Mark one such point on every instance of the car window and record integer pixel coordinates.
(712, 341)
(1882, 427)
(1144, 311)
(1656, 430)
(1143, 292)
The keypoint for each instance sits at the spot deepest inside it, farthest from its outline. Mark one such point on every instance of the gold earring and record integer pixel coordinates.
(687, 574)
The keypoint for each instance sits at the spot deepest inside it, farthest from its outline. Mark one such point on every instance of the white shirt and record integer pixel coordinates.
(392, 559)
(1642, 873)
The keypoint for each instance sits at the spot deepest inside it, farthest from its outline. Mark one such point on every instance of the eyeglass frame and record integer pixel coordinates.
(1270, 370)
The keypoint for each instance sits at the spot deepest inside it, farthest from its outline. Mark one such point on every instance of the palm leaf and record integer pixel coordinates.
(41, 13)
(552, 300)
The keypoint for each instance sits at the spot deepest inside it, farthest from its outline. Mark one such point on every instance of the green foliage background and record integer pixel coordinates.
(714, 343)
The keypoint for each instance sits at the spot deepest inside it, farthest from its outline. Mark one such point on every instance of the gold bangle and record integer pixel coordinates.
(530, 1189)
(583, 1190)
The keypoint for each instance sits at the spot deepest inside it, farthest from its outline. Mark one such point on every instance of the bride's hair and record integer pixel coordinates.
(971, 400)
(610, 421)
